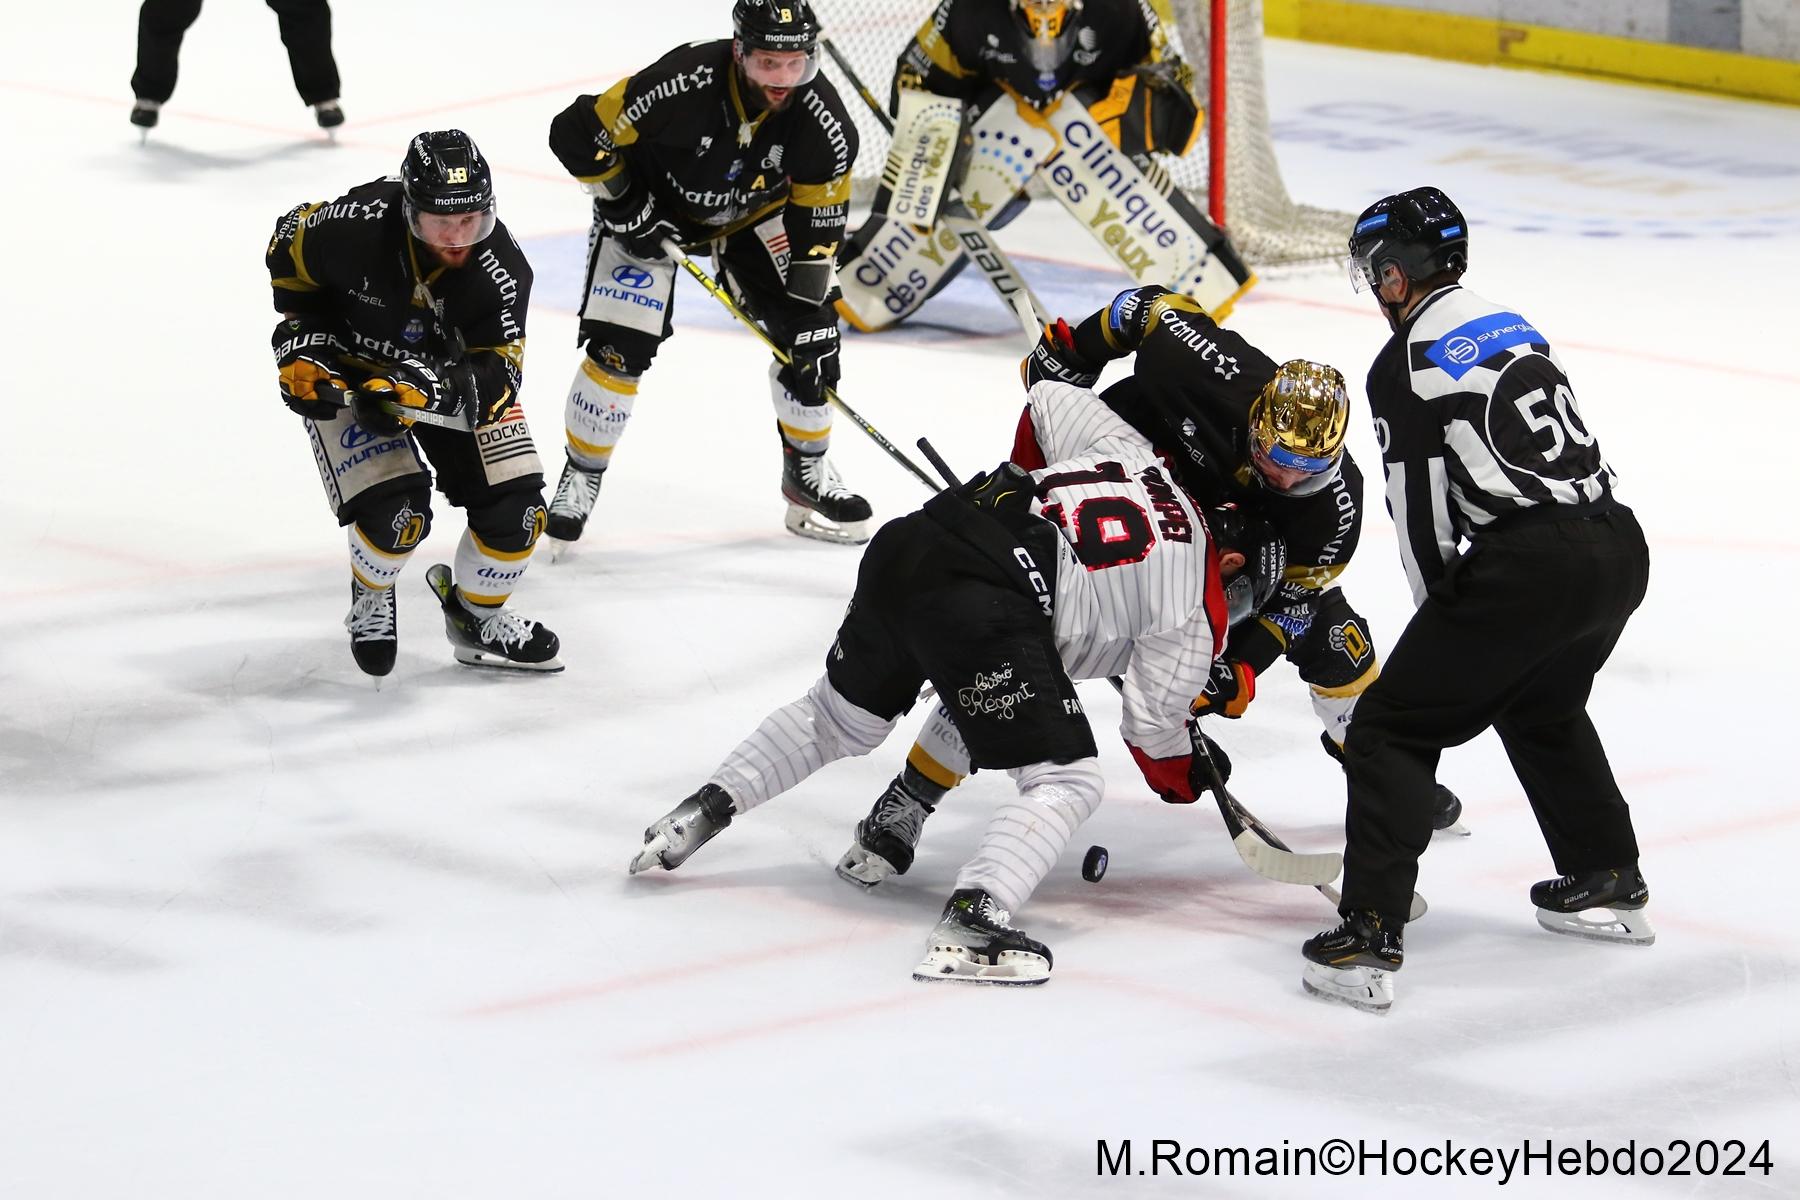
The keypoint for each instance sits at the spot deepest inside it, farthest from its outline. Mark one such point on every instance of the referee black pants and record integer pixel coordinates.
(305, 31)
(1512, 638)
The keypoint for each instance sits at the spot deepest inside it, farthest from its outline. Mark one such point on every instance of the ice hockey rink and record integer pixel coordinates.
(268, 932)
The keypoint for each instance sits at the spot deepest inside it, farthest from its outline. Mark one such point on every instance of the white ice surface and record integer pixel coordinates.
(268, 932)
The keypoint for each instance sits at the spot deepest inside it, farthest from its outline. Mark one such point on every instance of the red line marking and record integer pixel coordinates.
(626, 983)
(921, 994)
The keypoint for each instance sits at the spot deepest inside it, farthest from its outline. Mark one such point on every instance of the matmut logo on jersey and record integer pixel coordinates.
(1458, 352)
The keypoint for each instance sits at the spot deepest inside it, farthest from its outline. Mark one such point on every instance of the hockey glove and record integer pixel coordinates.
(813, 339)
(1008, 487)
(634, 223)
(1230, 688)
(305, 350)
(1055, 358)
(410, 383)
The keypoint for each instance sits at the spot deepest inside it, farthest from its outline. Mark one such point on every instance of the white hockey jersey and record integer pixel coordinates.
(1138, 592)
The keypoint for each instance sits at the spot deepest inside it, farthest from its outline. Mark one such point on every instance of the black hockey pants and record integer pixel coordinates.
(305, 31)
(1512, 638)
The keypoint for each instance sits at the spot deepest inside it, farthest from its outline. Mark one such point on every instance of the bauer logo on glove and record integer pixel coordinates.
(1055, 358)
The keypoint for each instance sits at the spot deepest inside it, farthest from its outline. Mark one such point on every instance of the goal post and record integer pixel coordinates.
(1233, 171)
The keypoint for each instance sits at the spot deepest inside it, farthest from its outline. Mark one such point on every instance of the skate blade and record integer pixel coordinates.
(497, 662)
(806, 523)
(955, 964)
(1625, 926)
(650, 855)
(556, 549)
(864, 869)
(1362, 988)
(1455, 829)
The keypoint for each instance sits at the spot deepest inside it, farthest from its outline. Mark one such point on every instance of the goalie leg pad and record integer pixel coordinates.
(923, 158)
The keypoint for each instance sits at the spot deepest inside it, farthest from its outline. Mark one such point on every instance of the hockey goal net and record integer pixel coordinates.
(1267, 226)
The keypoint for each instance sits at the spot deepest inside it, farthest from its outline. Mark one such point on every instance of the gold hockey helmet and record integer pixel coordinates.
(1298, 423)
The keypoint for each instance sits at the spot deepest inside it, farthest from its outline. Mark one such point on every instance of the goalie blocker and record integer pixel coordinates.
(1146, 225)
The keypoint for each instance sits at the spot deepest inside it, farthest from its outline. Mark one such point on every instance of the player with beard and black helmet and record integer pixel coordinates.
(740, 147)
(408, 290)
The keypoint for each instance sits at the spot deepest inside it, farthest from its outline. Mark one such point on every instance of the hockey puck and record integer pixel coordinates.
(1093, 867)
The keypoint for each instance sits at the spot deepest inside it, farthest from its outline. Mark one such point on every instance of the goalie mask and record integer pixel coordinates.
(448, 190)
(775, 42)
(1297, 427)
(1052, 32)
(1265, 559)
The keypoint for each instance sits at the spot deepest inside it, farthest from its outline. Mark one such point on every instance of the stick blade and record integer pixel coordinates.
(1286, 866)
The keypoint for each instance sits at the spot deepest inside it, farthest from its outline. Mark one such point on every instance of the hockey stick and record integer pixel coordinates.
(978, 244)
(458, 420)
(718, 293)
(1259, 847)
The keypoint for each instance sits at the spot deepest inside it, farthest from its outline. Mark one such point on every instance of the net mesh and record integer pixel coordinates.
(1267, 226)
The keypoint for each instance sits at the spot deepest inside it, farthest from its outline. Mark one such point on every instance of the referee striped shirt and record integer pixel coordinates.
(1478, 428)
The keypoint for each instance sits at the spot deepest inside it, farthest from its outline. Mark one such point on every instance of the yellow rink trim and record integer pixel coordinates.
(1507, 43)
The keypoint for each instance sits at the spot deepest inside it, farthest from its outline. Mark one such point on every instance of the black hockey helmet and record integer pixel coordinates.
(445, 176)
(1234, 527)
(774, 27)
(1420, 232)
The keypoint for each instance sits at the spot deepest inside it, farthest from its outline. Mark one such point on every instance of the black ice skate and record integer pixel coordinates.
(374, 637)
(576, 493)
(886, 838)
(498, 639)
(144, 114)
(1606, 905)
(328, 113)
(1353, 963)
(974, 942)
(687, 827)
(819, 505)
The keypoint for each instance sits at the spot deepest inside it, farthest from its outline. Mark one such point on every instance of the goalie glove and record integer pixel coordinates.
(1055, 358)
(305, 352)
(1230, 687)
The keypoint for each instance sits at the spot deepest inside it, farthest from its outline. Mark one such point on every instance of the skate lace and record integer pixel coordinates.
(902, 816)
(822, 477)
(372, 615)
(575, 493)
(505, 628)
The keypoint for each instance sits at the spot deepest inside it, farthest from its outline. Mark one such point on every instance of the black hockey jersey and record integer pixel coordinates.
(1190, 393)
(353, 259)
(1477, 426)
(681, 128)
(966, 45)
